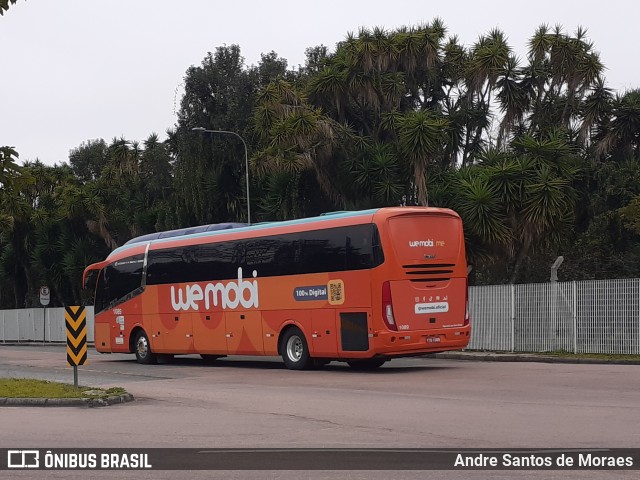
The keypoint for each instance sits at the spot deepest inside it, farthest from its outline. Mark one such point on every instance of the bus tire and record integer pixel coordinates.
(142, 349)
(321, 362)
(368, 364)
(295, 351)
(210, 358)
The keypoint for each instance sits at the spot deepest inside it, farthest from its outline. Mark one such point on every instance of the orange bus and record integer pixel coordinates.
(362, 287)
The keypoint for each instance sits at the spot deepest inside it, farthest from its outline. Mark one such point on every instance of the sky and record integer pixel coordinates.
(76, 70)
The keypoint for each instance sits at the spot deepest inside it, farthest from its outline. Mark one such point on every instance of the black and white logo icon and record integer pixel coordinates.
(23, 459)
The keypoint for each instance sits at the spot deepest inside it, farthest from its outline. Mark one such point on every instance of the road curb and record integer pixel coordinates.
(35, 343)
(66, 402)
(478, 356)
(516, 357)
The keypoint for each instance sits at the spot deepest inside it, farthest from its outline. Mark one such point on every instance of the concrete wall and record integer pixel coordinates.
(37, 325)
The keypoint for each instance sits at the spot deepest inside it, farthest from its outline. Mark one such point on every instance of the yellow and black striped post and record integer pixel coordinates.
(76, 321)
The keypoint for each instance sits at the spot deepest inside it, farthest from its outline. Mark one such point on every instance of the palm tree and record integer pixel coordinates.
(475, 194)
(536, 186)
(12, 174)
(618, 136)
(4, 5)
(298, 137)
(421, 136)
(515, 202)
(560, 87)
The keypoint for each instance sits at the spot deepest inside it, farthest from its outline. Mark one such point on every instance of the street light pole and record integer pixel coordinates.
(246, 160)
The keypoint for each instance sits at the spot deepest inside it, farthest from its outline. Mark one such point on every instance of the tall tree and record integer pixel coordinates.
(220, 94)
(4, 5)
(517, 202)
(88, 160)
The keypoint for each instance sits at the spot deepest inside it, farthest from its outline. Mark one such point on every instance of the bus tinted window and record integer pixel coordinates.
(329, 250)
(118, 280)
(167, 265)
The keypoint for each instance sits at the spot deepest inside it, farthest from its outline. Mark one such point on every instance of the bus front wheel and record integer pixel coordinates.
(143, 349)
(295, 351)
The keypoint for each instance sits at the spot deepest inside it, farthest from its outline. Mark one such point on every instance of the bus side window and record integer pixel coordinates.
(377, 253)
(213, 261)
(363, 248)
(327, 250)
(165, 266)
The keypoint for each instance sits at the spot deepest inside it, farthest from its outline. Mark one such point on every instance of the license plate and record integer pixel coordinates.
(433, 339)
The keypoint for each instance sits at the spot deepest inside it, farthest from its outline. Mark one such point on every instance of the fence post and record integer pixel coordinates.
(49, 323)
(575, 317)
(513, 317)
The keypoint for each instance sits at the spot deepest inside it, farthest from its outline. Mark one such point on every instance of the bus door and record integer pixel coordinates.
(243, 331)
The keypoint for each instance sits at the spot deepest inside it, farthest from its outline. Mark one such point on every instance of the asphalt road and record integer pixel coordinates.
(243, 402)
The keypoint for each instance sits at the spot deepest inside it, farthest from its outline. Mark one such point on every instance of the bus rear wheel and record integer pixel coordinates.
(295, 351)
(142, 349)
(368, 364)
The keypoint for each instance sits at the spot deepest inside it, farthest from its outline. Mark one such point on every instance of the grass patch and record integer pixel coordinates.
(594, 356)
(30, 388)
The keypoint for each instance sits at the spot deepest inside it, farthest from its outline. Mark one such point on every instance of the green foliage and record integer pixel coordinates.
(210, 168)
(605, 242)
(88, 160)
(32, 388)
(11, 174)
(630, 215)
(618, 131)
(537, 155)
(516, 203)
(4, 5)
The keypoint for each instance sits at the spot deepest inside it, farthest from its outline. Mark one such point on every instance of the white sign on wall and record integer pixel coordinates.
(45, 295)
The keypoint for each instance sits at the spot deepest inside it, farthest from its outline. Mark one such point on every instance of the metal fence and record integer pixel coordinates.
(598, 316)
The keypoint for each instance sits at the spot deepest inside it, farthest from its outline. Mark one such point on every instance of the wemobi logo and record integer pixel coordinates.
(421, 243)
(228, 296)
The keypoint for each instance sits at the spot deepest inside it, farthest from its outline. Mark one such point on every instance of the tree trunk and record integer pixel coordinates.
(16, 289)
(421, 183)
(522, 254)
(30, 285)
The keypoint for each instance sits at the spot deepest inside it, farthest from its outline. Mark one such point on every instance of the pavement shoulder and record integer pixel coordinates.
(529, 357)
(66, 402)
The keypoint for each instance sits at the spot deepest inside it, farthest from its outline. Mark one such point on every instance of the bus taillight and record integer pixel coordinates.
(466, 304)
(387, 307)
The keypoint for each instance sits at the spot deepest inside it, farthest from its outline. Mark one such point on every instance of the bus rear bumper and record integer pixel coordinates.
(417, 342)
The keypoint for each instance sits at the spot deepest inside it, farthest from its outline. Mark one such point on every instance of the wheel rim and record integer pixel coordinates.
(142, 347)
(295, 349)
